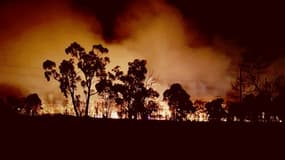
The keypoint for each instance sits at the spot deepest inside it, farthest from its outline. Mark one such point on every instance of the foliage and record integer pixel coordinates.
(129, 89)
(179, 101)
(29, 105)
(215, 109)
(91, 64)
(33, 104)
(279, 104)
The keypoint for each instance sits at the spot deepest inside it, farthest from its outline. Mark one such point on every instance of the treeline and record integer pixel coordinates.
(84, 75)
(12, 105)
(261, 107)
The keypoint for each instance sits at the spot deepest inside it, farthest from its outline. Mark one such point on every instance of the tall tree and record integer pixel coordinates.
(92, 64)
(151, 107)
(252, 76)
(235, 111)
(279, 104)
(67, 77)
(136, 93)
(251, 108)
(179, 101)
(256, 81)
(215, 109)
(33, 104)
(130, 89)
(109, 90)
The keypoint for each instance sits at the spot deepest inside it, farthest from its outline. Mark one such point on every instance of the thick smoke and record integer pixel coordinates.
(174, 50)
(32, 32)
(10, 90)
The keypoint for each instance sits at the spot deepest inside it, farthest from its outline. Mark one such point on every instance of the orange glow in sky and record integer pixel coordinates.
(154, 31)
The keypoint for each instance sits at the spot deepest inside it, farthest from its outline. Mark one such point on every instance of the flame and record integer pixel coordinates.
(163, 112)
(152, 30)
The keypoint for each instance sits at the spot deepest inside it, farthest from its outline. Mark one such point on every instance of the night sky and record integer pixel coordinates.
(255, 25)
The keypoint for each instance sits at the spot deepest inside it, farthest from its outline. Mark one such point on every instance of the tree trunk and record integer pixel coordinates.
(130, 115)
(240, 83)
(74, 104)
(129, 111)
(87, 100)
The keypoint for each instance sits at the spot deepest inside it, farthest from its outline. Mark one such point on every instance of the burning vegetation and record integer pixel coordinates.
(157, 59)
(91, 90)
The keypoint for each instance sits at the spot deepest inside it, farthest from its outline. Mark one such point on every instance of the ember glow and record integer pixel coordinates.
(174, 49)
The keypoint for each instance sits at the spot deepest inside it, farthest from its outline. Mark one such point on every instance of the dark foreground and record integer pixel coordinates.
(71, 135)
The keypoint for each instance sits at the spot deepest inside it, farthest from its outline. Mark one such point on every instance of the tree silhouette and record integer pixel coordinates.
(131, 90)
(108, 89)
(6, 109)
(91, 64)
(152, 106)
(264, 106)
(251, 107)
(256, 86)
(215, 109)
(29, 105)
(279, 104)
(15, 103)
(252, 77)
(33, 104)
(67, 77)
(235, 111)
(179, 101)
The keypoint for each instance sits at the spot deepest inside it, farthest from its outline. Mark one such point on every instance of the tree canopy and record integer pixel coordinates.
(92, 65)
(215, 109)
(179, 101)
(129, 89)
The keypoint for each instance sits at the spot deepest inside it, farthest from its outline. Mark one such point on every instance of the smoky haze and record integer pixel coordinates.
(175, 50)
(33, 32)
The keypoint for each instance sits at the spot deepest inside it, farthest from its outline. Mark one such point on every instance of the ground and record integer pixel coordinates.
(52, 134)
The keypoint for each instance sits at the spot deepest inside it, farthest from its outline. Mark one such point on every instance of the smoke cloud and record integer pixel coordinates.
(175, 51)
(10, 90)
(32, 32)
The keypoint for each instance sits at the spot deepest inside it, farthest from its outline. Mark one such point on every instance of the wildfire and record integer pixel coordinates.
(99, 111)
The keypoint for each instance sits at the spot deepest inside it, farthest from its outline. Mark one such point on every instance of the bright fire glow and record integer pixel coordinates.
(169, 48)
(96, 111)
